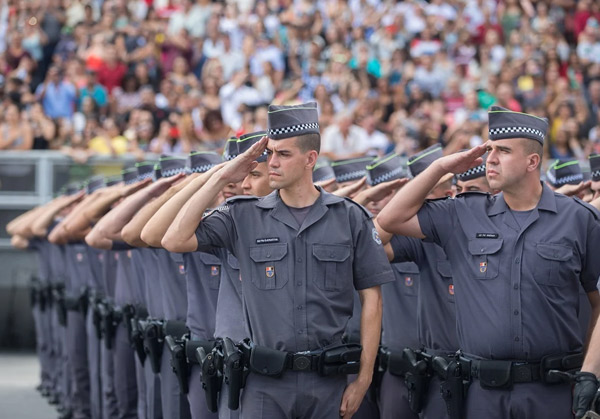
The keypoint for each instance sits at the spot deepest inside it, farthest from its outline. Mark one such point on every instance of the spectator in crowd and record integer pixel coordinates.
(15, 131)
(58, 95)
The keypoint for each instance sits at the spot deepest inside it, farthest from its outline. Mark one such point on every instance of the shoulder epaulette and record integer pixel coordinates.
(589, 207)
(241, 198)
(363, 209)
(473, 193)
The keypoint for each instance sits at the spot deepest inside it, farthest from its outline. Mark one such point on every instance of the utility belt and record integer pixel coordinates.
(457, 373)
(341, 359)
(154, 333)
(133, 316)
(496, 374)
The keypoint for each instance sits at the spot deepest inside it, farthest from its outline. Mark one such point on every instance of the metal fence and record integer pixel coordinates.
(28, 179)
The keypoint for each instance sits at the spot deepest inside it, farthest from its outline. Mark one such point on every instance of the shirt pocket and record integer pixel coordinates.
(552, 264)
(269, 270)
(444, 270)
(212, 270)
(485, 259)
(332, 266)
(408, 277)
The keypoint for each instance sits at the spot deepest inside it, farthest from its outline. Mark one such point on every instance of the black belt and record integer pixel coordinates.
(520, 372)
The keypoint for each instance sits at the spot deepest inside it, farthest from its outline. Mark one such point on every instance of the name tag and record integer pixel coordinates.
(267, 240)
(487, 235)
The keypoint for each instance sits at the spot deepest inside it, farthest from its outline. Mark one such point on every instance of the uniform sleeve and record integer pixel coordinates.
(437, 219)
(370, 266)
(216, 230)
(120, 245)
(590, 271)
(406, 249)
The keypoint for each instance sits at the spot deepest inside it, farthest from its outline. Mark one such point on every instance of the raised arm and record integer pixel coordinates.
(181, 237)
(400, 215)
(21, 225)
(80, 225)
(110, 226)
(155, 229)
(39, 226)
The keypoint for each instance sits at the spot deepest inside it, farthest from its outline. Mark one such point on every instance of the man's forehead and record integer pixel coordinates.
(285, 144)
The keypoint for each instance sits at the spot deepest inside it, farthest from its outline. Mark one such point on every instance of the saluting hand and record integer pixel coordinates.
(463, 161)
(378, 192)
(160, 186)
(237, 169)
(350, 190)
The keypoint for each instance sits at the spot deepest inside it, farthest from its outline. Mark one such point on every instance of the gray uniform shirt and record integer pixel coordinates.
(517, 289)
(400, 299)
(172, 284)
(298, 282)
(436, 313)
(79, 271)
(203, 272)
(231, 321)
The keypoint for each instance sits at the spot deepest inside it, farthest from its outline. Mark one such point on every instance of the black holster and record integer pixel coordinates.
(110, 320)
(83, 302)
(454, 385)
(235, 371)
(97, 319)
(212, 376)
(417, 377)
(58, 294)
(153, 344)
(179, 362)
(137, 339)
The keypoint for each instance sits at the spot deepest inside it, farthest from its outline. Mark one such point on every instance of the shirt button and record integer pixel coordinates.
(516, 286)
(516, 312)
(300, 331)
(482, 249)
(299, 307)
(517, 261)
(268, 255)
(516, 338)
(299, 283)
(299, 260)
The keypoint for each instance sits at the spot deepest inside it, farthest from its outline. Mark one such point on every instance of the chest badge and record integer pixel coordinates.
(270, 271)
(214, 270)
(181, 269)
(482, 267)
(408, 281)
(451, 289)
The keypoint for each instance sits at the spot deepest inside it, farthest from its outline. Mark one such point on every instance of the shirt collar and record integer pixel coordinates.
(547, 202)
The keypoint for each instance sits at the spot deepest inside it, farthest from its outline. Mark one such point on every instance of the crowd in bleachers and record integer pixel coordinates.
(169, 76)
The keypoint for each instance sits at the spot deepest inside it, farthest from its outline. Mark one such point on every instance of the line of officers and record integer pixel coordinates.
(127, 329)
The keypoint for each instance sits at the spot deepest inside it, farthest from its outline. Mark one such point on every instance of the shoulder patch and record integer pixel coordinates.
(363, 209)
(588, 207)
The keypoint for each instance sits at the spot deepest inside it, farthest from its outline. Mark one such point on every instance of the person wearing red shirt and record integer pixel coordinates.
(112, 71)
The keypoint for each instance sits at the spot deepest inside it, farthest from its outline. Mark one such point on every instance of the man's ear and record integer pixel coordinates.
(533, 162)
(311, 159)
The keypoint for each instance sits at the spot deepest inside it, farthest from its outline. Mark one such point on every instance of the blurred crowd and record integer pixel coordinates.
(170, 76)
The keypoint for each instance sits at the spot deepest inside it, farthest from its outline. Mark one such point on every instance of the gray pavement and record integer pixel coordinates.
(19, 375)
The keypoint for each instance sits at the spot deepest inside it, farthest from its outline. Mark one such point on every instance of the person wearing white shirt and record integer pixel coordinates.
(343, 140)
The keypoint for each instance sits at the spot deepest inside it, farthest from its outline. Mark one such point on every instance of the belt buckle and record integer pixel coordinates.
(301, 363)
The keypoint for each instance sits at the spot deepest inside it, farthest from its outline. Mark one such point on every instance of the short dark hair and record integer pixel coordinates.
(309, 142)
(532, 146)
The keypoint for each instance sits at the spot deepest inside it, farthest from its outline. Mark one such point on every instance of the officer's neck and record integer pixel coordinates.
(523, 197)
(300, 194)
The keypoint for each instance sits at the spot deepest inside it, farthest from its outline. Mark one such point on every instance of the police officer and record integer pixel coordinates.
(518, 258)
(289, 245)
